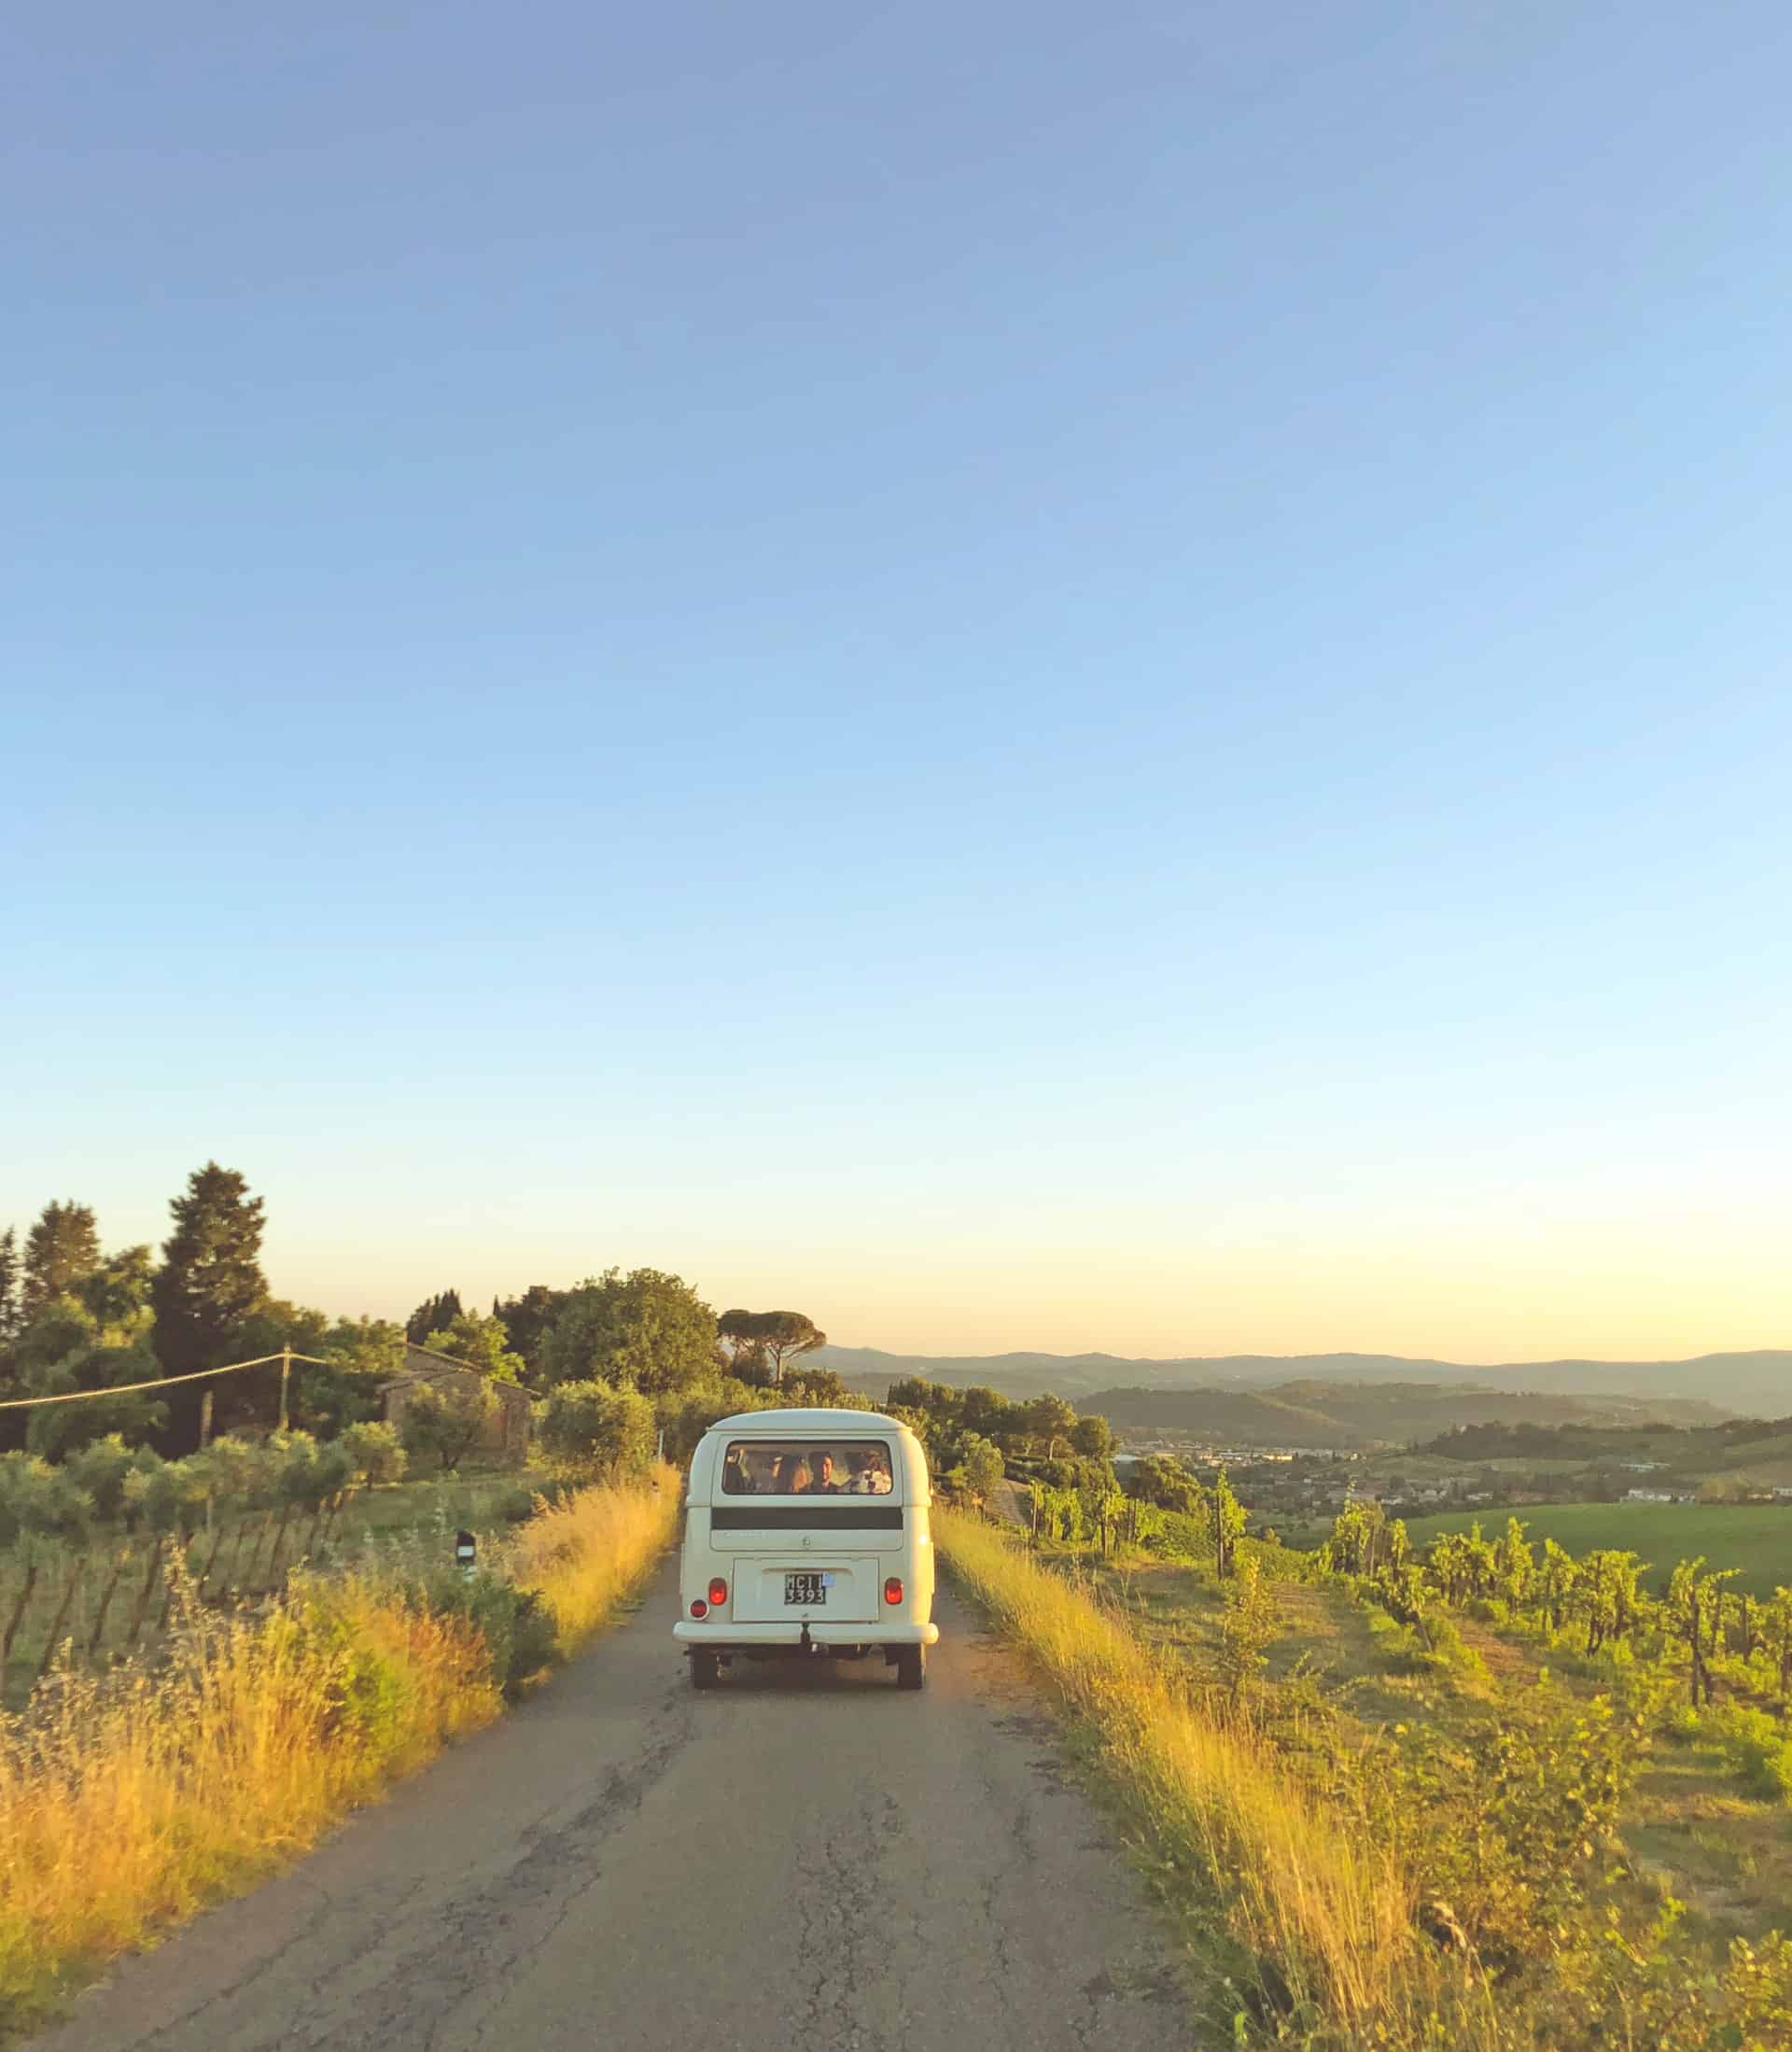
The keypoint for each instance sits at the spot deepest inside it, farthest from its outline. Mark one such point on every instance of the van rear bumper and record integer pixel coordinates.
(719, 1637)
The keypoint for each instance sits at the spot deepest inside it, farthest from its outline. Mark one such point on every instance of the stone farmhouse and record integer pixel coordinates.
(506, 1438)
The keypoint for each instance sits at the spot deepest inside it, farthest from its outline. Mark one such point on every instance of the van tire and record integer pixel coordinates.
(911, 1667)
(705, 1670)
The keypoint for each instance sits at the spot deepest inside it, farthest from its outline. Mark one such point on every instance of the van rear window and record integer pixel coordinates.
(806, 1467)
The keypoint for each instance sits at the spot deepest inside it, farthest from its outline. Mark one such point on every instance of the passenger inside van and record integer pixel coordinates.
(870, 1475)
(807, 1470)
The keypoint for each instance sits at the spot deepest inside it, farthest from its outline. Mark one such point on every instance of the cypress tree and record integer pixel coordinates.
(9, 1285)
(61, 1248)
(209, 1284)
(434, 1314)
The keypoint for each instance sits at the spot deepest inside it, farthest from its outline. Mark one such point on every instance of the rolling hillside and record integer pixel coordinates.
(1690, 1391)
(1358, 1414)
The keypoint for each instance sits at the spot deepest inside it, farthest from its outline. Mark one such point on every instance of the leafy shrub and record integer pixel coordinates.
(234, 1471)
(365, 1697)
(481, 1342)
(36, 1498)
(166, 1497)
(1530, 1809)
(332, 1472)
(1176, 1536)
(1683, 1722)
(377, 1452)
(517, 1625)
(685, 1417)
(521, 1501)
(1757, 1745)
(104, 1467)
(303, 1474)
(592, 1422)
(442, 1423)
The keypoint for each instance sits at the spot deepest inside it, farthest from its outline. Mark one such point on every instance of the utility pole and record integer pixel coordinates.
(204, 1441)
(286, 1374)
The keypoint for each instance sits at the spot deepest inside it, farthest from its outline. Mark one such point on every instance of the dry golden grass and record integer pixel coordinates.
(1325, 1912)
(128, 1804)
(589, 1553)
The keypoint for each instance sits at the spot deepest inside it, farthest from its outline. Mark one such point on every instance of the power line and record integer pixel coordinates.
(163, 1382)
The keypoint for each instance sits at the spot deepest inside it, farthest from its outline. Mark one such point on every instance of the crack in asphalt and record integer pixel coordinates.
(483, 1939)
(324, 1909)
(836, 1897)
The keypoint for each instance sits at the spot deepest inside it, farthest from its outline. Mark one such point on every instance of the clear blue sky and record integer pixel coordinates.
(1030, 676)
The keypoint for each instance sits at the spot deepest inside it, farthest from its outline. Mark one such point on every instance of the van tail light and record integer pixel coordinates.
(717, 1592)
(894, 1589)
(699, 1608)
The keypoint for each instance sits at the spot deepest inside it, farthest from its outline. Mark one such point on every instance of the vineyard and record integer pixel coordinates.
(93, 1552)
(1701, 1636)
(1581, 1790)
(1756, 1539)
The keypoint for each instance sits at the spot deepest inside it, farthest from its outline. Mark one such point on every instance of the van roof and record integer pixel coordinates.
(818, 1424)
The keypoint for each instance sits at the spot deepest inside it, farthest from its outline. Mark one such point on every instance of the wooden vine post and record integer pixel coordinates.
(211, 1558)
(96, 1636)
(77, 1566)
(244, 1580)
(279, 1540)
(147, 1590)
(17, 1618)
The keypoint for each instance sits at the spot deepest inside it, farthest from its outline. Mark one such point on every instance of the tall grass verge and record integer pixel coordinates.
(128, 1803)
(589, 1553)
(1316, 1917)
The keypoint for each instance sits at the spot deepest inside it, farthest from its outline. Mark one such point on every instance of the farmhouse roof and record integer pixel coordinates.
(442, 1364)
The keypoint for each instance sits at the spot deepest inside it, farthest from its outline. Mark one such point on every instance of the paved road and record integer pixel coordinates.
(811, 1860)
(1005, 1500)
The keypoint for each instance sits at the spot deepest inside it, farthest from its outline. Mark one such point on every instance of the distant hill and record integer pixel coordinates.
(1686, 1392)
(1357, 1414)
(1074, 1374)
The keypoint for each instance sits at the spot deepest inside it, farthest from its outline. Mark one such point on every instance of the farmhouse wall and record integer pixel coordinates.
(506, 1436)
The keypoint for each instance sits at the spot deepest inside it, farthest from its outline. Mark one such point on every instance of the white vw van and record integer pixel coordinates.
(805, 1533)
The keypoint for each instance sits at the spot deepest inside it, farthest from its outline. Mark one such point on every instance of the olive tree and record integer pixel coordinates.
(979, 1467)
(443, 1423)
(590, 1421)
(36, 1498)
(376, 1450)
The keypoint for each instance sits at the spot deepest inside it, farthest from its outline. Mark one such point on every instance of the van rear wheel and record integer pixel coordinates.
(705, 1670)
(911, 1667)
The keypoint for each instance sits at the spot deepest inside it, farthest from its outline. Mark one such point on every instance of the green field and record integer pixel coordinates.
(1755, 1537)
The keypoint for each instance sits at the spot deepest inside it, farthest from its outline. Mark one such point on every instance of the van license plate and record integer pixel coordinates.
(806, 1589)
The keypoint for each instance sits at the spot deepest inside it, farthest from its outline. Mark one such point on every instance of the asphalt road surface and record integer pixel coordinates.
(811, 1859)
